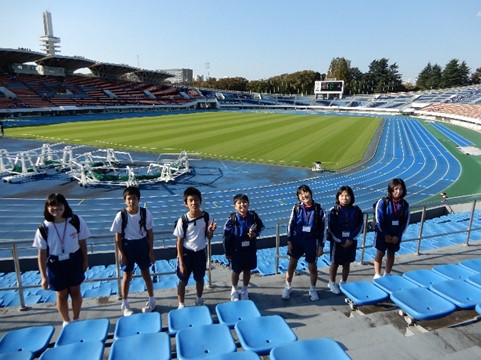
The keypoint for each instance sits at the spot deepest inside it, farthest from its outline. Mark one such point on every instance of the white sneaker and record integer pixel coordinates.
(126, 309)
(334, 287)
(234, 295)
(181, 306)
(387, 274)
(65, 323)
(244, 295)
(149, 307)
(286, 293)
(376, 276)
(199, 301)
(313, 294)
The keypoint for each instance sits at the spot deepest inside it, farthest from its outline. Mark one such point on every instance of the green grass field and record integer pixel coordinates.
(278, 139)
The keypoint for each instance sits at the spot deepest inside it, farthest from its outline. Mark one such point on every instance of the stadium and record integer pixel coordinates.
(223, 142)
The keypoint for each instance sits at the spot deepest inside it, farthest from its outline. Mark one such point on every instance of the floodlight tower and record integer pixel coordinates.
(49, 42)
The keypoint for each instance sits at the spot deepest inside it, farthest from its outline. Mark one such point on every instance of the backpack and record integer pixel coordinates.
(74, 220)
(186, 221)
(143, 216)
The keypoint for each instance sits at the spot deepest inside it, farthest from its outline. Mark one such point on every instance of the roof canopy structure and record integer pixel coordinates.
(18, 56)
(69, 63)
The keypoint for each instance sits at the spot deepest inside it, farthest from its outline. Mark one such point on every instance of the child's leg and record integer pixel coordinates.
(181, 291)
(62, 304)
(76, 297)
(199, 287)
(126, 284)
(333, 271)
(148, 281)
(313, 273)
(346, 268)
(389, 261)
(246, 277)
(290, 269)
(234, 279)
(378, 261)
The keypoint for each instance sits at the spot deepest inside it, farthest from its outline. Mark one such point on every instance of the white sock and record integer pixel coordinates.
(313, 287)
(125, 302)
(288, 284)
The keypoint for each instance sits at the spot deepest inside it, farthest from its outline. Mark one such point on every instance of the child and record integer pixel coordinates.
(240, 233)
(392, 219)
(305, 237)
(134, 236)
(192, 231)
(62, 254)
(345, 223)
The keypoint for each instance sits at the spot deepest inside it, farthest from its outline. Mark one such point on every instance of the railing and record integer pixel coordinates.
(422, 211)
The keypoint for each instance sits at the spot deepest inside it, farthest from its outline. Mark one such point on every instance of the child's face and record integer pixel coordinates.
(132, 203)
(305, 197)
(56, 210)
(397, 191)
(344, 198)
(241, 207)
(193, 203)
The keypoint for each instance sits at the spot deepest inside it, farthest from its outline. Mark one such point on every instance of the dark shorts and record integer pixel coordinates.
(136, 251)
(66, 273)
(382, 245)
(307, 247)
(194, 262)
(241, 261)
(340, 255)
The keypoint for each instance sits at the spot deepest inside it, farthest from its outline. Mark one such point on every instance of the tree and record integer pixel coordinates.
(476, 77)
(455, 74)
(382, 77)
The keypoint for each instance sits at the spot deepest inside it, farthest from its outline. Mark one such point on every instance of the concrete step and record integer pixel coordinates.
(471, 353)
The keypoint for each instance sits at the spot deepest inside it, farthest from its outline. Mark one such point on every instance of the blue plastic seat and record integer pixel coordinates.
(142, 323)
(422, 304)
(261, 334)
(459, 292)
(240, 355)
(424, 277)
(472, 264)
(92, 350)
(84, 331)
(17, 355)
(200, 341)
(393, 283)
(188, 317)
(454, 271)
(478, 308)
(363, 292)
(34, 339)
(231, 312)
(304, 349)
(152, 346)
(474, 280)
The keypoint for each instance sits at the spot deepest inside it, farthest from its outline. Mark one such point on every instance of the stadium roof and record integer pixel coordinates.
(111, 71)
(69, 63)
(151, 77)
(20, 56)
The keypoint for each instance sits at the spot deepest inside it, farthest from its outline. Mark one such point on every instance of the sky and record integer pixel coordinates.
(254, 39)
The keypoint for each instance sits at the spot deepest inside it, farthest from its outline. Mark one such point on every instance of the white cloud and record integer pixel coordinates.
(478, 14)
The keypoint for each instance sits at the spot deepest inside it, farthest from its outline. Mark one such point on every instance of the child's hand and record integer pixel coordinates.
(45, 283)
(213, 226)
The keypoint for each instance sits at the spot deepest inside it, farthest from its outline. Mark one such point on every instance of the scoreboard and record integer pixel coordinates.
(329, 87)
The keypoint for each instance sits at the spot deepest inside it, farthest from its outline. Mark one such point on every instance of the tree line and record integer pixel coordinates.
(381, 77)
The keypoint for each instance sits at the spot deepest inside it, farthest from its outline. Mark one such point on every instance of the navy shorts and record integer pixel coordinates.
(65, 273)
(194, 262)
(307, 247)
(136, 251)
(340, 255)
(243, 260)
(382, 245)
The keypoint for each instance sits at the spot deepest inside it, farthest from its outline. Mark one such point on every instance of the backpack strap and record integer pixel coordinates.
(125, 217)
(186, 221)
(74, 220)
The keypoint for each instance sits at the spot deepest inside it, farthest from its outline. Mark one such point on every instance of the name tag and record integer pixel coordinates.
(346, 234)
(245, 243)
(395, 223)
(63, 257)
(306, 229)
